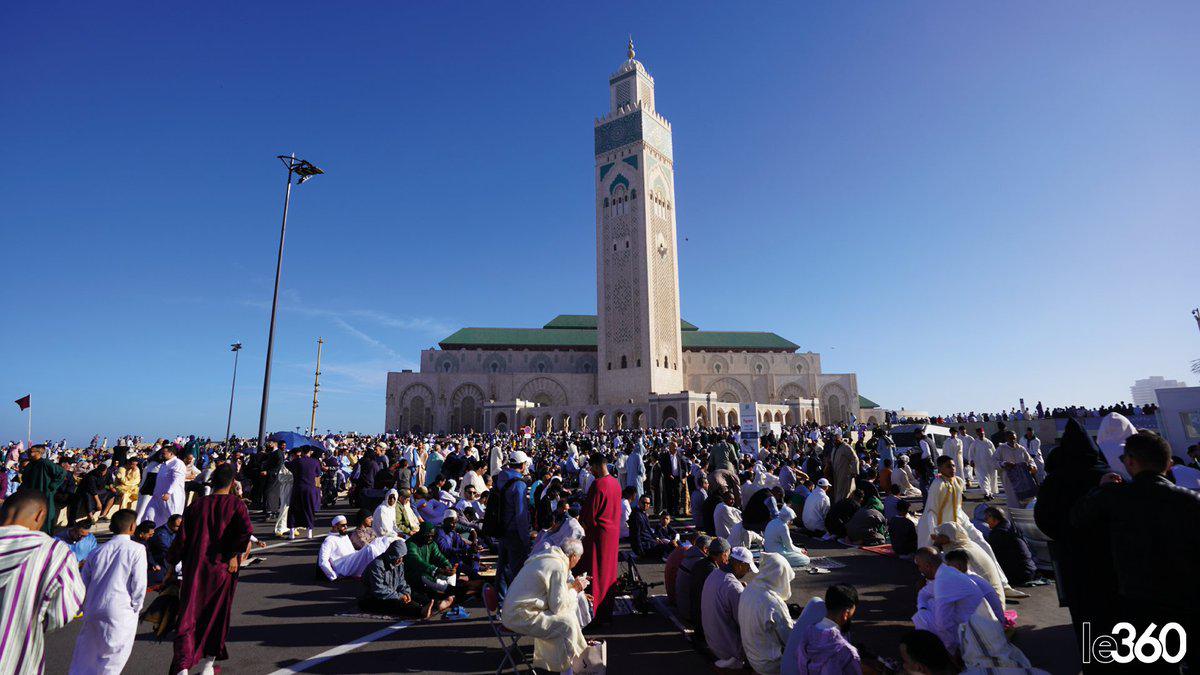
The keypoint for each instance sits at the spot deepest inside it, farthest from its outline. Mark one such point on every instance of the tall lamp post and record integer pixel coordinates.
(303, 170)
(235, 348)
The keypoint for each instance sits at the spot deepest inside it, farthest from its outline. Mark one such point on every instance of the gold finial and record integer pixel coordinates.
(631, 52)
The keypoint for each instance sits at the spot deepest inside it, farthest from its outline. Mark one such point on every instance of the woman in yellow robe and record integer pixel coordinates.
(127, 481)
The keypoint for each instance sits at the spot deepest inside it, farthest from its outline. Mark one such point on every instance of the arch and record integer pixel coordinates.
(759, 364)
(600, 420)
(730, 390)
(791, 391)
(779, 416)
(619, 420)
(530, 421)
(564, 422)
(833, 403)
(583, 421)
(639, 419)
(415, 413)
(719, 365)
(808, 415)
(872, 420)
(553, 393)
(540, 363)
(790, 418)
(495, 364)
(766, 417)
(501, 422)
(701, 416)
(547, 423)
(670, 418)
(466, 407)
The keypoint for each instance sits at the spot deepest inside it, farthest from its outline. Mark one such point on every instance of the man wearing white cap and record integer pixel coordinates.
(816, 506)
(510, 494)
(337, 557)
(719, 606)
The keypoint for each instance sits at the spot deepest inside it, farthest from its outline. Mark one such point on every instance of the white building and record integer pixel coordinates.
(635, 363)
(1143, 390)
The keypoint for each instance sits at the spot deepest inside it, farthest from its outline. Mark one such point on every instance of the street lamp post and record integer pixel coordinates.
(312, 425)
(235, 348)
(303, 170)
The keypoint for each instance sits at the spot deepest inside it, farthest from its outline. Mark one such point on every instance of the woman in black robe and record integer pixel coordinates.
(1083, 565)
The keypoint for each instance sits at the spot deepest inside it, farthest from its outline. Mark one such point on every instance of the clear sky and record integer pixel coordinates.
(962, 203)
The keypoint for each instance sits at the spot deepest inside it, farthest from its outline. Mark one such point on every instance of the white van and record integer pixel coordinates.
(905, 436)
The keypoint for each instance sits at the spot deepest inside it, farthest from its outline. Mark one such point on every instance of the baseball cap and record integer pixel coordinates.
(743, 554)
(824, 482)
(338, 520)
(518, 457)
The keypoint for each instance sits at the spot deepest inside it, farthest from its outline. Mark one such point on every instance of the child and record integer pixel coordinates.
(115, 575)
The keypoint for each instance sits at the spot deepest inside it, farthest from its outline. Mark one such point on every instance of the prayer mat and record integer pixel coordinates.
(827, 563)
(882, 549)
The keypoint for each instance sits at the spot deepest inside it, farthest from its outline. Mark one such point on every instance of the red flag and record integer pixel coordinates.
(23, 402)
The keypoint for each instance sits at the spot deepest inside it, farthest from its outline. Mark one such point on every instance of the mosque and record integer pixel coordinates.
(636, 363)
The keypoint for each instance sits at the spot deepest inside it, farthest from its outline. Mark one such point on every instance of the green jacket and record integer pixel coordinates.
(423, 560)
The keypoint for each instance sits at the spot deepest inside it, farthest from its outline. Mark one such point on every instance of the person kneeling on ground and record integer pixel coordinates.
(777, 538)
(543, 601)
(902, 531)
(386, 590)
(722, 592)
(823, 647)
(763, 614)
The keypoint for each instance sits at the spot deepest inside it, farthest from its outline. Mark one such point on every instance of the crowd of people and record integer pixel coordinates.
(1039, 412)
(560, 512)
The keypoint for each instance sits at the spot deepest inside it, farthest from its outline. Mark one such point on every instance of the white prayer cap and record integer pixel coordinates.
(338, 520)
(518, 457)
(450, 514)
(743, 554)
(823, 482)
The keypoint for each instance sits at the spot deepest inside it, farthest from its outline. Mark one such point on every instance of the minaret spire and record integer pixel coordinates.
(631, 52)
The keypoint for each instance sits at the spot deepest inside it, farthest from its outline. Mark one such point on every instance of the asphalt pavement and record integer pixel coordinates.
(288, 618)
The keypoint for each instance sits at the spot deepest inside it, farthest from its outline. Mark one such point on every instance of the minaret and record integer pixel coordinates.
(637, 271)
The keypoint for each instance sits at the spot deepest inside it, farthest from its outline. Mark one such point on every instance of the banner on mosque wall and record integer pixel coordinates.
(748, 436)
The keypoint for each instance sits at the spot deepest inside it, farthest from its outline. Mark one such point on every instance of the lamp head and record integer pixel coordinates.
(237, 346)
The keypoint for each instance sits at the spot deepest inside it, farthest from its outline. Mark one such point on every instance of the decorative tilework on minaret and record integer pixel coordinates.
(637, 271)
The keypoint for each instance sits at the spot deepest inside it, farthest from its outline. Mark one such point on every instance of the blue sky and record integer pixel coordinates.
(962, 203)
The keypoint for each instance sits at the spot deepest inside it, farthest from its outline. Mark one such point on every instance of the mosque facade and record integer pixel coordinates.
(636, 363)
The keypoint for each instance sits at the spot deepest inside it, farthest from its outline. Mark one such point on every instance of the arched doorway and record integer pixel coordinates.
(547, 423)
(565, 422)
(600, 421)
(790, 418)
(701, 416)
(670, 418)
(639, 419)
(501, 422)
(583, 421)
(531, 422)
(778, 416)
(619, 420)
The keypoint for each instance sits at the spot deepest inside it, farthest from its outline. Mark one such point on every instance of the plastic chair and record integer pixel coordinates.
(514, 658)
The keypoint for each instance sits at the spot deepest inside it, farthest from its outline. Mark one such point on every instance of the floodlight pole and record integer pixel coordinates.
(235, 348)
(291, 164)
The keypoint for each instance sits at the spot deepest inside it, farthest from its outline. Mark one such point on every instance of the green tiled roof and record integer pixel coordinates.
(864, 402)
(589, 322)
(580, 338)
(720, 339)
(561, 338)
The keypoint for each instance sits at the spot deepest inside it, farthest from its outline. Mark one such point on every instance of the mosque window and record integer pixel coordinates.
(639, 363)
(758, 368)
(624, 362)
(633, 193)
(541, 367)
(610, 365)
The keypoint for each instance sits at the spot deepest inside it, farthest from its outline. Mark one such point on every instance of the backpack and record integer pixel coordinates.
(493, 514)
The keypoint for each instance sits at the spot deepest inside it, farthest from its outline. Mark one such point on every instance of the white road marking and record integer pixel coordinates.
(342, 649)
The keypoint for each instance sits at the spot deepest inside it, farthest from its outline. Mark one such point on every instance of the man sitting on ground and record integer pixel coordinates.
(824, 647)
(364, 532)
(903, 531)
(429, 572)
(337, 557)
(691, 549)
(1010, 548)
(719, 607)
(79, 539)
(841, 513)
(961, 561)
(718, 556)
(460, 552)
(386, 590)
